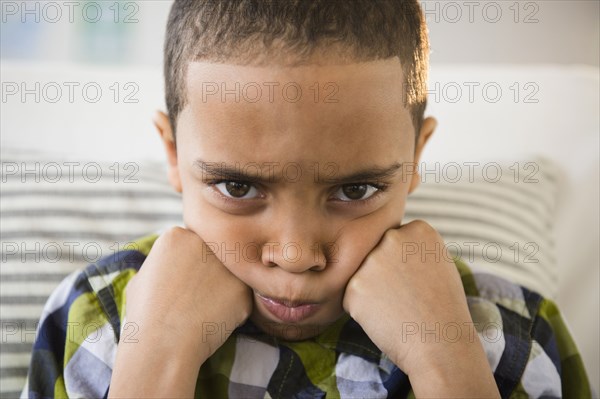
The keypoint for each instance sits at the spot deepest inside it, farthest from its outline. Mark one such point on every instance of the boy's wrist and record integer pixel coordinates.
(457, 369)
(156, 365)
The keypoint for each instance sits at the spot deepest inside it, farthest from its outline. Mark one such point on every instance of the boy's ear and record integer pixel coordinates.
(427, 128)
(163, 126)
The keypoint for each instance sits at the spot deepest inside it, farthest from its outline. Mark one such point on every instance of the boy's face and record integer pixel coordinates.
(291, 189)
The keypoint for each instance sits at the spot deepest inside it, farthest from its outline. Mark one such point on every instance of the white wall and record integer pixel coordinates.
(507, 31)
(503, 31)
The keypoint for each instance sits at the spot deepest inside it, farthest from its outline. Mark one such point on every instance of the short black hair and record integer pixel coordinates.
(249, 31)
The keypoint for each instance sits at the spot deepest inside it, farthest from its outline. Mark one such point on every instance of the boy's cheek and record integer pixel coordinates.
(359, 237)
(238, 243)
(351, 249)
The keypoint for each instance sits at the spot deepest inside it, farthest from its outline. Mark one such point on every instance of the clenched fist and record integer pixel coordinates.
(407, 282)
(180, 288)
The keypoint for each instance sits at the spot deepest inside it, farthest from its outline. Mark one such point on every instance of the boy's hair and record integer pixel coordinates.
(259, 32)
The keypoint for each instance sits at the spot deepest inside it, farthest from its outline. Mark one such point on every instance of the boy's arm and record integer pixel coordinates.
(405, 284)
(539, 356)
(75, 345)
(181, 287)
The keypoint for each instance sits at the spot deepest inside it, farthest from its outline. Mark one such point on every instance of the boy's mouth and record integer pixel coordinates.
(288, 311)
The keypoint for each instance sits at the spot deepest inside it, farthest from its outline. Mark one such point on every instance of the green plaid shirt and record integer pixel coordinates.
(529, 349)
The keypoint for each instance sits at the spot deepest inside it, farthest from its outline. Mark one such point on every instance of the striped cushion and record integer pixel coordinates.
(51, 227)
(54, 224)
(498, 218)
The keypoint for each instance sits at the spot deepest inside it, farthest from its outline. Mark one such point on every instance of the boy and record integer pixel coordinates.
(293, 131)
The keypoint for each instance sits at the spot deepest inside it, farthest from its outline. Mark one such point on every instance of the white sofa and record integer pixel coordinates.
(486, 114)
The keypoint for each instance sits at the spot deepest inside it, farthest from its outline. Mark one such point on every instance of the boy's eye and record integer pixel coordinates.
(355, 192)
(238, 190)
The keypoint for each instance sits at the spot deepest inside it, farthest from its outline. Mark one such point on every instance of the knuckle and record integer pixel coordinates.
(173, 236)
(424, 231)
(391, 236)
(353, 286)
(175, 232)
(421, 227)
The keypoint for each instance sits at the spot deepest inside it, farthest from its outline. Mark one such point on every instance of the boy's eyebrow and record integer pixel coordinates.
(366, 175)
(329, 171)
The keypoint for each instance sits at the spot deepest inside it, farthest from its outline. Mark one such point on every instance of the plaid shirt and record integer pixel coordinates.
(529, 349)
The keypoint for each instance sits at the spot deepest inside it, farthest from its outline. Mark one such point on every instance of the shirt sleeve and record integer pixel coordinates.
(45, 376)
(76, 339)
(552, 340)
(528, 345)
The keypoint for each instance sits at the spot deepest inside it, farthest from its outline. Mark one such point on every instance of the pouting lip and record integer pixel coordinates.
(285, 302)
(288, 311)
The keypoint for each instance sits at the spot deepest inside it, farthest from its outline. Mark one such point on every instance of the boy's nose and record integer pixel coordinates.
(296, 246)
(294, 256)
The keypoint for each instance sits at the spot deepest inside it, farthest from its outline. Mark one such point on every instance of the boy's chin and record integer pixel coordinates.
(288, 332)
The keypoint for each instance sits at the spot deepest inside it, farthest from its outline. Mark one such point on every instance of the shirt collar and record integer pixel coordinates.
(344, 335)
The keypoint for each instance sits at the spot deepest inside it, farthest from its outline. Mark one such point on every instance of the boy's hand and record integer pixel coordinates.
(182, 305)
(408, 297)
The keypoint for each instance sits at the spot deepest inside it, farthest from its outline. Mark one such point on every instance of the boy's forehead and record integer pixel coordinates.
(383, 78)
(324, 64)
(340, 111)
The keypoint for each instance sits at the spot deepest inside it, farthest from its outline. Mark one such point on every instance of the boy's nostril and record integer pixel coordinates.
(317, 268)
